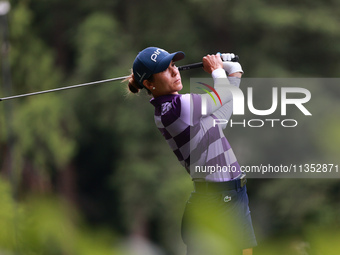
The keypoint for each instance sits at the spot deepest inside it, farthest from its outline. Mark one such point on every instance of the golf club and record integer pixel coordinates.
(180, 68)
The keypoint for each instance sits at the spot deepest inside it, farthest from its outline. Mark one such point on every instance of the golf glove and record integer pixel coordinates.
(228, 66)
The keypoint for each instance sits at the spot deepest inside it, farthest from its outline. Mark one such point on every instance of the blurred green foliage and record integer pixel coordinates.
(92, 158)
(47, 224)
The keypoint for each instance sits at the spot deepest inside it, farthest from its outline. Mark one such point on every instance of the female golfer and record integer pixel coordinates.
(216, 219)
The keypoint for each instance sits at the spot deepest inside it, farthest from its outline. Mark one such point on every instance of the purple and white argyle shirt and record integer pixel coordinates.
(199, 145)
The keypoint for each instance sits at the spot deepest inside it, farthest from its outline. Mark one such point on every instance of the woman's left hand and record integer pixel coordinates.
(233, 69)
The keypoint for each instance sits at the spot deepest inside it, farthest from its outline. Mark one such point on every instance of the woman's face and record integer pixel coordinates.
(166, 82)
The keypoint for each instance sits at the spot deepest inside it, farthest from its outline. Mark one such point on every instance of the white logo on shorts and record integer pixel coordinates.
(227, 199)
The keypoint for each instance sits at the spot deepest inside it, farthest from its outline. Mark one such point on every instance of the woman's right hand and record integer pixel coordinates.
(212, 62)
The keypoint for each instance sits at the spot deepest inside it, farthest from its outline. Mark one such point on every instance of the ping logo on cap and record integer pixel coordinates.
(156, 54)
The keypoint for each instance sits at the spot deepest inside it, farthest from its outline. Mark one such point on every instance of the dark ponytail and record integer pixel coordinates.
(133, 85)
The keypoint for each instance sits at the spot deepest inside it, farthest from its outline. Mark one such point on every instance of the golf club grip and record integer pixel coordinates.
(200, 64)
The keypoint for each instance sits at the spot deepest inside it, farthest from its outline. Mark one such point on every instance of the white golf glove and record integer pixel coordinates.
(229, 66)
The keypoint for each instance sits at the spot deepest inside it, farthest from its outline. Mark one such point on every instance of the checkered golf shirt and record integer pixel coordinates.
(200, 146)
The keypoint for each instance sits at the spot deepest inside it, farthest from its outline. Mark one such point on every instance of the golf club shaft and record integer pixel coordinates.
(181, 68)
(64, 88)
(200, 64)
